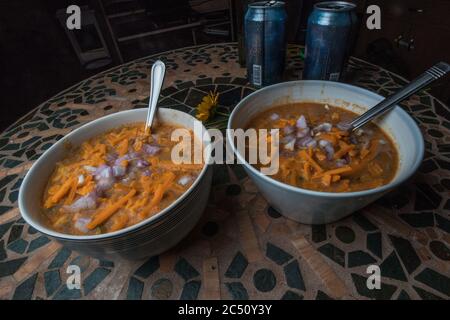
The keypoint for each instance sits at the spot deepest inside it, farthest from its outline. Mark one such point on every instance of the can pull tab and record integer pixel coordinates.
(270, 3)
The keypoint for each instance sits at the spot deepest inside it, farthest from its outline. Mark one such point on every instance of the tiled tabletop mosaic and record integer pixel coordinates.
(242, 248)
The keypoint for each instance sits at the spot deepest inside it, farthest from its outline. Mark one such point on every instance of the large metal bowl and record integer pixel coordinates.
(147, 238)
(313, 207)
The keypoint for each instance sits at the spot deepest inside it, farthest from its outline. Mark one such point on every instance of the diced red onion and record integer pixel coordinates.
(103, 171)
(90, 169)
(133, 155)
(151, 150)
(288, 130)
(105, 178)
(301, 133)
(129, 177)
(306, 142)
(105, 184)
(347, 158)
(184, 180)
(340, 163)
(87, 202)
(80, 179)
(330, 152)
(344, 126)
(274, 116)
(301, 123)
(323, 127)
(118, 171)
(323, 143)
(290, 145)
(118, 161)
(111, 157)
(81, 224)
(147, 173)
(287, 139)
(326, 145)
(142, 163)
(126, 179)
(311, 144)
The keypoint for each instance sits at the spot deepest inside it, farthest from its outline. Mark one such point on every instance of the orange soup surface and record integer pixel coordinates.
(316, 152)
(116, 180)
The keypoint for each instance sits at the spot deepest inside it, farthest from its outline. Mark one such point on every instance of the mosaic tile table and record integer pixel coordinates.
(242, 248)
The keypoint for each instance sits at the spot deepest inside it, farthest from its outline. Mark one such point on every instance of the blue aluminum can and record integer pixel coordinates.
(265, 42)
(329, 38)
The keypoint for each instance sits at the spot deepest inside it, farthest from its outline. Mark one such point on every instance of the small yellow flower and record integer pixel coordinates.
(207, 107)
(202, 116)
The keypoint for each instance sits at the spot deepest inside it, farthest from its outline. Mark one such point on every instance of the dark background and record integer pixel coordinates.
(37, 59)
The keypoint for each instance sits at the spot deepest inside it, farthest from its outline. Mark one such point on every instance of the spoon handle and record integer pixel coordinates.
(437, 71)
(156, 81)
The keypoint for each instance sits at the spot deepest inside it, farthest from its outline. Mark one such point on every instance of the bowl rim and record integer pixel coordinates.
(111, 235)
(336, 195)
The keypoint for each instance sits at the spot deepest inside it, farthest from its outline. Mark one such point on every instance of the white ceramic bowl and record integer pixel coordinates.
(313, 207)
(147, 238)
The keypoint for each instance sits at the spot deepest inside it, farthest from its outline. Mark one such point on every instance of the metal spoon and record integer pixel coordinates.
(156, 82)
(429, 76)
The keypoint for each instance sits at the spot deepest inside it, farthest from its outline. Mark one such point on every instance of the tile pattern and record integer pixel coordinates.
(242, 248)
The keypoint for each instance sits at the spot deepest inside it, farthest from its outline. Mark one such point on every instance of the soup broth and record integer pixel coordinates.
(317, 154)
(116, 180)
